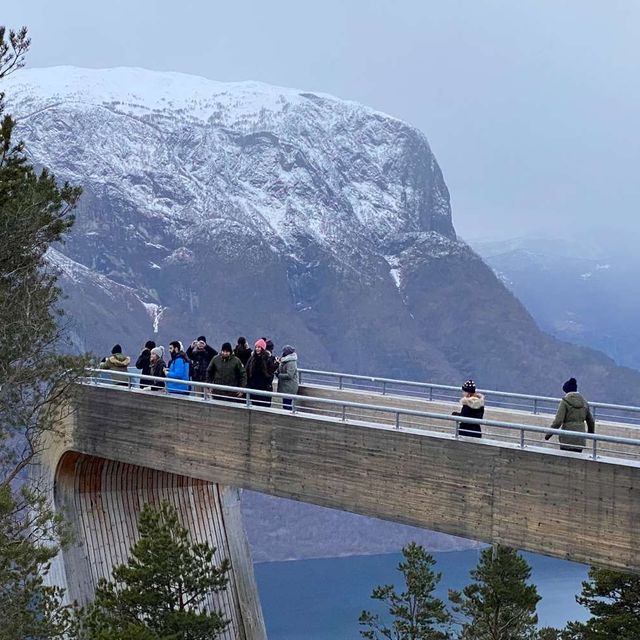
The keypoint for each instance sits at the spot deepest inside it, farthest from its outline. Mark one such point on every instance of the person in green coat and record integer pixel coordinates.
(287, 373)
(572, 414)
(226, 369)
(117, 363)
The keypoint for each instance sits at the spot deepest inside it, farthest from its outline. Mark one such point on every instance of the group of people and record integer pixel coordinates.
(572, 415)
(240, 367)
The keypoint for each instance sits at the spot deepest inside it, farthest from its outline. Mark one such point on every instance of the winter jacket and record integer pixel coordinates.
(471, 407)
(288, 374)
(157, 371)
(228, 371)
(144, 362)
(258, 376)
(272, 367)
(178, 368)
(243, 353)
(573, 412)
(200, 359)
(117, 363)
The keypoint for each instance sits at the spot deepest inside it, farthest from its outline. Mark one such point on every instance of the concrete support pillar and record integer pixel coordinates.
(102, 500)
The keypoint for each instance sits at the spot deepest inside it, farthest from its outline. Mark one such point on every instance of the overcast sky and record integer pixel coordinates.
(532, 107)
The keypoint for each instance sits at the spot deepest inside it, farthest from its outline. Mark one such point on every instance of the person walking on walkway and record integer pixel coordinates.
(471, 406)
(242, 350)
(258, 376)
(226, 368)
(117, 363)
(287, 374)
(144, 362)
(178, 368)
(573, 413)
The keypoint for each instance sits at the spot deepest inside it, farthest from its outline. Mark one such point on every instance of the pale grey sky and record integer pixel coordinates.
(531, 107)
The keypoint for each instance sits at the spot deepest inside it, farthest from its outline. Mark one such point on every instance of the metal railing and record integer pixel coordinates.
(449, 393)
(599, 446)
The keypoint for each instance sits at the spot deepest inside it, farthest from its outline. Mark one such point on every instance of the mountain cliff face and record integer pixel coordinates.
(230, 209)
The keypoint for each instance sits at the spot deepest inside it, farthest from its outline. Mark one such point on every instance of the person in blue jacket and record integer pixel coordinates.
(178, 368)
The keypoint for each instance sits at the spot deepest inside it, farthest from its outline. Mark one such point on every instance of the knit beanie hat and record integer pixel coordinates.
(202, 338)
(149, 344)
(116, 349)
(287, 350)
(158, 351)
(261, 343)
(226, 347)
(570, 385)
(469, 386)
(270, 345)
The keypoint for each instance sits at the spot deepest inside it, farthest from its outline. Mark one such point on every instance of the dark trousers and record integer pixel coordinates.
(470, 430)
(565, 447)
(260, 400)
(287, 403)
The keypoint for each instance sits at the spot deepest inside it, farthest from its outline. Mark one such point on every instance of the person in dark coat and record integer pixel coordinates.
(258, 376)
(158, 366)
(200, 354)
(144, 362)
(272, 361)
(242, 350)
(226, 369)
(471, 406)
(573, 412)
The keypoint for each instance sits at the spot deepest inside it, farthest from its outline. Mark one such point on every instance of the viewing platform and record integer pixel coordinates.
(383, 448)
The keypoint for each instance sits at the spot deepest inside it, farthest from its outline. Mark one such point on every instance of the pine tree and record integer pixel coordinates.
(613, 599)
(160, 592)
(499, 604)
(34, 377)
(415, 613)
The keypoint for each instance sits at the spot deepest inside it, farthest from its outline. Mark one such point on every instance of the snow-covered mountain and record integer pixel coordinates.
(242, 208)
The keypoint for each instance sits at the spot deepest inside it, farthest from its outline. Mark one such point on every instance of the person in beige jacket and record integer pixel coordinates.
(573, 413)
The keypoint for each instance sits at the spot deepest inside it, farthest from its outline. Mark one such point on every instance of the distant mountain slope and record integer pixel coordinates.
(242, 208)
(579, 288)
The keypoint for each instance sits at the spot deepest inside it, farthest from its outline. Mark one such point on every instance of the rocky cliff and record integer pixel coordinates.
(242, 208)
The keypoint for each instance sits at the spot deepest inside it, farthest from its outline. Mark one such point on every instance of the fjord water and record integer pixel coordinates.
(322, 599)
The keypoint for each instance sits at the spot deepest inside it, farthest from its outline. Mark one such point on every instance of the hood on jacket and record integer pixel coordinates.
(119, 360)
(289, 358)
(474, 402)
(575, 400)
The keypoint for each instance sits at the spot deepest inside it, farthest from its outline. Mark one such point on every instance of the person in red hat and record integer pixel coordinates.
(258, 376)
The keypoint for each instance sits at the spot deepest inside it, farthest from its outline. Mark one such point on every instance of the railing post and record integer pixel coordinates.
(535, 406)
(129, 382)
(247, 397)
(457, 429)
(384, 388)
(397, 420)
(430, 394)
(339, 382)
(522, 438)
(344, 413)
(299, 377)
(593, 413)
(595, 450)
(293, 405)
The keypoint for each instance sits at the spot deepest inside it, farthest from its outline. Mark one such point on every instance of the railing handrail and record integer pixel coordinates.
(447, 387)
(359, 405)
